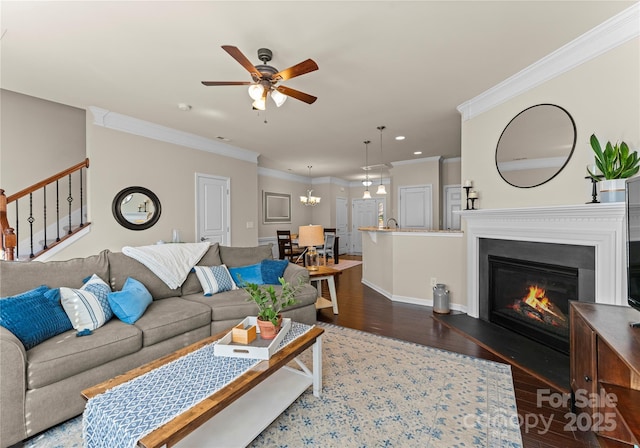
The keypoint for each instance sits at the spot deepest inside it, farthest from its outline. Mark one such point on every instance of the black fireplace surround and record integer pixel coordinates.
(526, 286)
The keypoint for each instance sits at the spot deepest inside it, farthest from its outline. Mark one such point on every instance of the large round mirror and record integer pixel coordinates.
(136, 208)
(536, 145)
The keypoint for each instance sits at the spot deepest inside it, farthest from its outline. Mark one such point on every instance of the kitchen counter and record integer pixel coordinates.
(401, 230)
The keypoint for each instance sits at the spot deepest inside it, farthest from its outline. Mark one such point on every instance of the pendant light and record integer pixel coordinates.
(309, 200)
(381, 189)
(366, 194)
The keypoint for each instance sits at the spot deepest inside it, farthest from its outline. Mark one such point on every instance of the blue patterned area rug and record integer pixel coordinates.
(381, 392)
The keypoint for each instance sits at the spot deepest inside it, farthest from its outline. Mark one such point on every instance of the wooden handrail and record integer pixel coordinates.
(8, 237)
(47, 181)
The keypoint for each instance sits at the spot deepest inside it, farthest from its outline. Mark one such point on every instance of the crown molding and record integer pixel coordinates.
(269, 172)
(131, 125)
(413, 161)
(608, 35)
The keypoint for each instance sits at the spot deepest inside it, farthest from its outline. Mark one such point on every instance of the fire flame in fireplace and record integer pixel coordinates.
(536, 305)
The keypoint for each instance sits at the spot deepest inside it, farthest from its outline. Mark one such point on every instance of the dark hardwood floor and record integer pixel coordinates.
(364, 309)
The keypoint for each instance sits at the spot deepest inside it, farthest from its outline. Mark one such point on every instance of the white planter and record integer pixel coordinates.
(612, 190)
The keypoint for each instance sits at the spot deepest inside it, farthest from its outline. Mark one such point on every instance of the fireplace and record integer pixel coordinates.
(532, 299)
(526, 286)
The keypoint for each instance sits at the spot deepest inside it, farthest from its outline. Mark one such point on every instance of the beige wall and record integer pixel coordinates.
(603, 97)
(39, 138)
(300, 215)
(120, 160)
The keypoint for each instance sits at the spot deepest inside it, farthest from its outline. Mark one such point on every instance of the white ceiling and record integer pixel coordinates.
(405, 65)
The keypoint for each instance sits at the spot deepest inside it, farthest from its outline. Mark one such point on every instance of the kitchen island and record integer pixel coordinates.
(402, 264)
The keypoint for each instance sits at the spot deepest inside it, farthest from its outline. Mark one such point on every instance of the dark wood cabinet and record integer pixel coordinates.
(605, 370)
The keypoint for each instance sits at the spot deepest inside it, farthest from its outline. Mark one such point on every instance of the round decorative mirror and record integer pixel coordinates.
(136, 208)
(536, 145)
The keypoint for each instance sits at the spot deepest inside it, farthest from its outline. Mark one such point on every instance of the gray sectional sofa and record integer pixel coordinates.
(40, 387)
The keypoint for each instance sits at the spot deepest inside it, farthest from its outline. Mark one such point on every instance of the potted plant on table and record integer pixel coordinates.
(616, 163)
(270, 304)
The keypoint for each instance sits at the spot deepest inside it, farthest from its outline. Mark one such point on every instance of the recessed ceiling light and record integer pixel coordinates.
(400, 137)
(184, 107)
(417, 153)
(224, 139)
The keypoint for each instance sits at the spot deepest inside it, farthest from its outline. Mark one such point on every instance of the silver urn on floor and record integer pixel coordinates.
(441, 299)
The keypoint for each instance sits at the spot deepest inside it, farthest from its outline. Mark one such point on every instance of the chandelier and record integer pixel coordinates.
(381, 189)
(310, 200)
(366, 183)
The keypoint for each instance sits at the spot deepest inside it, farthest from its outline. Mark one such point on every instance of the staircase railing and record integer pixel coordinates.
(36, 219)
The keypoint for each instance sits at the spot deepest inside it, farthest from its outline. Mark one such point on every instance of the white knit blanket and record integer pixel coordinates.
(170, 262)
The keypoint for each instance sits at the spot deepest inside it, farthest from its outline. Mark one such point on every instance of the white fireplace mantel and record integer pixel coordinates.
(599, 225)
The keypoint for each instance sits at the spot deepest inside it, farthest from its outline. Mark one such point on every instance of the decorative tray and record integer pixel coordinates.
(259, 348)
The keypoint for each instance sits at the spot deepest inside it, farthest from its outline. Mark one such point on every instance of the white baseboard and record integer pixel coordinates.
(410, 300)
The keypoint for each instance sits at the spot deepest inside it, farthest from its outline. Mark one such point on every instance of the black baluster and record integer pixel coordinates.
(57, 211)
(69, 200)
(31, 220)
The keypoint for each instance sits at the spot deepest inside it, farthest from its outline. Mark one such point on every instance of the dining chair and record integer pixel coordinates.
(286, 249)
(330, 248)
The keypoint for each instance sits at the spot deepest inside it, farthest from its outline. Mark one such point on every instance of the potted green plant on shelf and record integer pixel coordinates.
(616, 163)
(270, 304)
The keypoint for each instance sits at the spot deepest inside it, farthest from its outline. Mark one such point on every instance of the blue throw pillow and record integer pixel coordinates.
(130, 303)
(214, 279)
(272, 270)
(32, 317)
(247, 274)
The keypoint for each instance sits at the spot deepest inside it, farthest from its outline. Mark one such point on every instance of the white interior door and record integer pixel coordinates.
(212, 214)
(452, 202)
(341, 224)
(364, 213)
(415, 206)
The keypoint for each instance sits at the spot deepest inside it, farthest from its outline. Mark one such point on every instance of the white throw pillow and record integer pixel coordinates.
(88, 307)
(214, 279)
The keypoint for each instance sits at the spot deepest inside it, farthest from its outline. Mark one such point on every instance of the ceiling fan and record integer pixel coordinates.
(266, 78)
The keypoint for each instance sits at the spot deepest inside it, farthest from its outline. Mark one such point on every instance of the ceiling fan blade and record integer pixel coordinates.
(226, 83)
(242, 59)
(299, 69)
(309, 99)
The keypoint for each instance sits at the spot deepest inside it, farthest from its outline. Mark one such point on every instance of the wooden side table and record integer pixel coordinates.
(328, 274)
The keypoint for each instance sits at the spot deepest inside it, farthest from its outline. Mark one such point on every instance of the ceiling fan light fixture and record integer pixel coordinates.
(278, 98)
(259, 104)
(256, 91)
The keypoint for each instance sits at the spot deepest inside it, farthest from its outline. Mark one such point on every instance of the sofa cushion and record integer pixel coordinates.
(33, 317)
(211, 258)
(66, 355)
(226, 305)
(214, 279)
(121, 267)
(247, 274)
(170, 317)
(130, 303)
(87, 307)
(21, 276)
(244, 256)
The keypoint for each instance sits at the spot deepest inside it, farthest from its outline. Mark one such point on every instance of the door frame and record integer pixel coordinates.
(445, 201)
